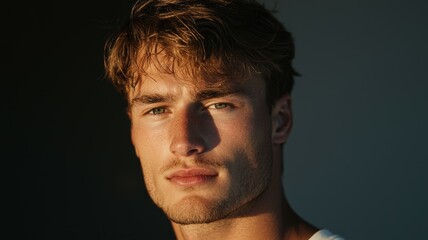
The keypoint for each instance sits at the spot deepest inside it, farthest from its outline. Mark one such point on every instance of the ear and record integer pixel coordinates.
(281, 119)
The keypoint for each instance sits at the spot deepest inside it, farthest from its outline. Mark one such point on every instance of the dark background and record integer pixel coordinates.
(355, 162)
(76, 172)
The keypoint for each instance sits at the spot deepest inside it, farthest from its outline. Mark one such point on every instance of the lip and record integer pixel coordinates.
(192, 176)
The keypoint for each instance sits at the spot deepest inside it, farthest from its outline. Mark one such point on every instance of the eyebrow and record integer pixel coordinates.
(152, 98)
(200, 96)
(208, 94)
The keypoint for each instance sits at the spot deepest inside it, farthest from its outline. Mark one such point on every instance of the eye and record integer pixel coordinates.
(157, 111)
(219, 105)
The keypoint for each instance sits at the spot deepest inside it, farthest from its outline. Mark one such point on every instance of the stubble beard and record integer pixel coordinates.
(253, 181)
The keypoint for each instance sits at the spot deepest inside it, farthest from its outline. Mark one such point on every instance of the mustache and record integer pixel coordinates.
(192, 162)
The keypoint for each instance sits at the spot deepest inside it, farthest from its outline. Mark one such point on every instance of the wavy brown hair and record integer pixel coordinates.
(212, 40)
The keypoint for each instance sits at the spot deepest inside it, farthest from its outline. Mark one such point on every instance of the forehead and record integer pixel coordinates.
(165, 76)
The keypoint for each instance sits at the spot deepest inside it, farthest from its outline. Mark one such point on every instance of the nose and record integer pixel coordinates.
(187, 134)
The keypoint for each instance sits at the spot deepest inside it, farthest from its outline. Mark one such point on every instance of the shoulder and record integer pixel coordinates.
(325, 234)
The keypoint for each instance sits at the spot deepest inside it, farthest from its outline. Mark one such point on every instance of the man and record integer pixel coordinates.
(208, 85)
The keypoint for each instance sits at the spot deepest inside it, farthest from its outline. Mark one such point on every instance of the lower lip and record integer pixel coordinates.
(192, 180)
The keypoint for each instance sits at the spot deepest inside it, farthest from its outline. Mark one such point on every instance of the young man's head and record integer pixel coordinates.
(208, 86)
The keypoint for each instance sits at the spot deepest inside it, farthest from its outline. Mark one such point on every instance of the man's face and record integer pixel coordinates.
(204, 152)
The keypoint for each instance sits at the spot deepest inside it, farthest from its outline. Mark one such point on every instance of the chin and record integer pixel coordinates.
(196, 210)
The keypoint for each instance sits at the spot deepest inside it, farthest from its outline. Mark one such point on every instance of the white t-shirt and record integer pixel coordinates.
(325, 234)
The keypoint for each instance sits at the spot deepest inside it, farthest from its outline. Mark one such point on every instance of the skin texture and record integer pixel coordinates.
(212, 158)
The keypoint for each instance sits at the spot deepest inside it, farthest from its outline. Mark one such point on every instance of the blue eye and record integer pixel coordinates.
(157, 111)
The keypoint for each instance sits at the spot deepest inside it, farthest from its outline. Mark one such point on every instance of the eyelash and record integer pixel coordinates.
(223, 105)
(152, 111)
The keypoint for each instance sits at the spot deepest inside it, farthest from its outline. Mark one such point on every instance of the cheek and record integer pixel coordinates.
(237, 138)
(150, 163)
(244, 131)
(250, 135)
(147, 140)
(150, 148)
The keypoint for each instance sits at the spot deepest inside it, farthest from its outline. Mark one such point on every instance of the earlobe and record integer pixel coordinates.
(281, 119)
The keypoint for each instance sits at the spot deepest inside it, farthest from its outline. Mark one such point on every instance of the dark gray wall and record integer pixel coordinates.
(356, 161)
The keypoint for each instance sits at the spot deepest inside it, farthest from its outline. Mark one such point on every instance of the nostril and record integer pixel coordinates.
(192, 151)
(187, 145)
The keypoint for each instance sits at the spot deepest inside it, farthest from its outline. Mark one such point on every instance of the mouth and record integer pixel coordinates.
(192, 176)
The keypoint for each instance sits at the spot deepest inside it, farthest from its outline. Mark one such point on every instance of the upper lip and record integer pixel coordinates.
(191, 172)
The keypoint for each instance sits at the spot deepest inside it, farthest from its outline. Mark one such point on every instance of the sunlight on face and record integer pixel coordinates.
(204, 153)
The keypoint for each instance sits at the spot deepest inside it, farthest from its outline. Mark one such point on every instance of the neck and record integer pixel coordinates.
(267, 217)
